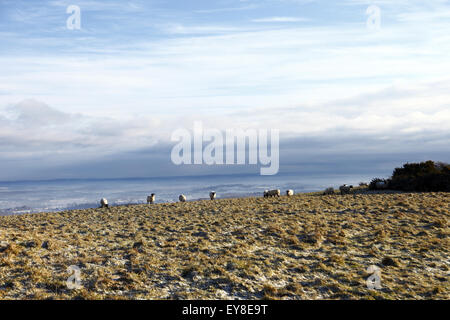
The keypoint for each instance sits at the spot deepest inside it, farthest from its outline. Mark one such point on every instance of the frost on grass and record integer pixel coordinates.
(303, 247)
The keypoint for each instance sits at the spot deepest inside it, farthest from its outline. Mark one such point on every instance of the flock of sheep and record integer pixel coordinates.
(212, 195)
(344, 189)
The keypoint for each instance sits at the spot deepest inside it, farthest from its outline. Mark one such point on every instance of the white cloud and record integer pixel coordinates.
(198, 30)
(281, 19)
(31, 128)
(234, 71)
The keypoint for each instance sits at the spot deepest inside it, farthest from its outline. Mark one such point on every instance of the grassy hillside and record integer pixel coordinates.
(304, 247)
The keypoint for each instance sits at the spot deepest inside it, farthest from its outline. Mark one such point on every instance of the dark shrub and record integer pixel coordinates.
(373, 183)
(423, 176)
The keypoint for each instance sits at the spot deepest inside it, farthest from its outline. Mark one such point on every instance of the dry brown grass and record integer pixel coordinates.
(303, 247)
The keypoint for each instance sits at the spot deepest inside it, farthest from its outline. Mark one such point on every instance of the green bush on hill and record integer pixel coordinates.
(424, 176)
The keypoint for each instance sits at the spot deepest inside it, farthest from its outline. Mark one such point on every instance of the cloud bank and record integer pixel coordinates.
(104, 100)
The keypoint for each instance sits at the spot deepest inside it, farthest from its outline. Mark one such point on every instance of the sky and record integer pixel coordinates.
(347, 94)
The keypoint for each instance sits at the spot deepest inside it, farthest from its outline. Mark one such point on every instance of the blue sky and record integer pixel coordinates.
(114, 90)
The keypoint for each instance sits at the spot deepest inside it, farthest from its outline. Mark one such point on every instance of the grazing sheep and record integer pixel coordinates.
(182, 198)
(272, 193)
(151, 198)
(328, 191)
(212, 195)
(345, 189)
(275, 193)
(289, 193)
(104, 203)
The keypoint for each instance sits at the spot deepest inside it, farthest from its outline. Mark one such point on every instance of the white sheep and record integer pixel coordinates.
(104, 203)
(289, 193)
(182, 198)
(212, 195)
(345, 189)
(151, 198)
(272, 193)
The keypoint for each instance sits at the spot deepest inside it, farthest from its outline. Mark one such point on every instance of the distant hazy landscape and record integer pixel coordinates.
(39, 196)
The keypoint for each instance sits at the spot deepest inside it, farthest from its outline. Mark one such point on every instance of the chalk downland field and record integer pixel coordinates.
(303, 247)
